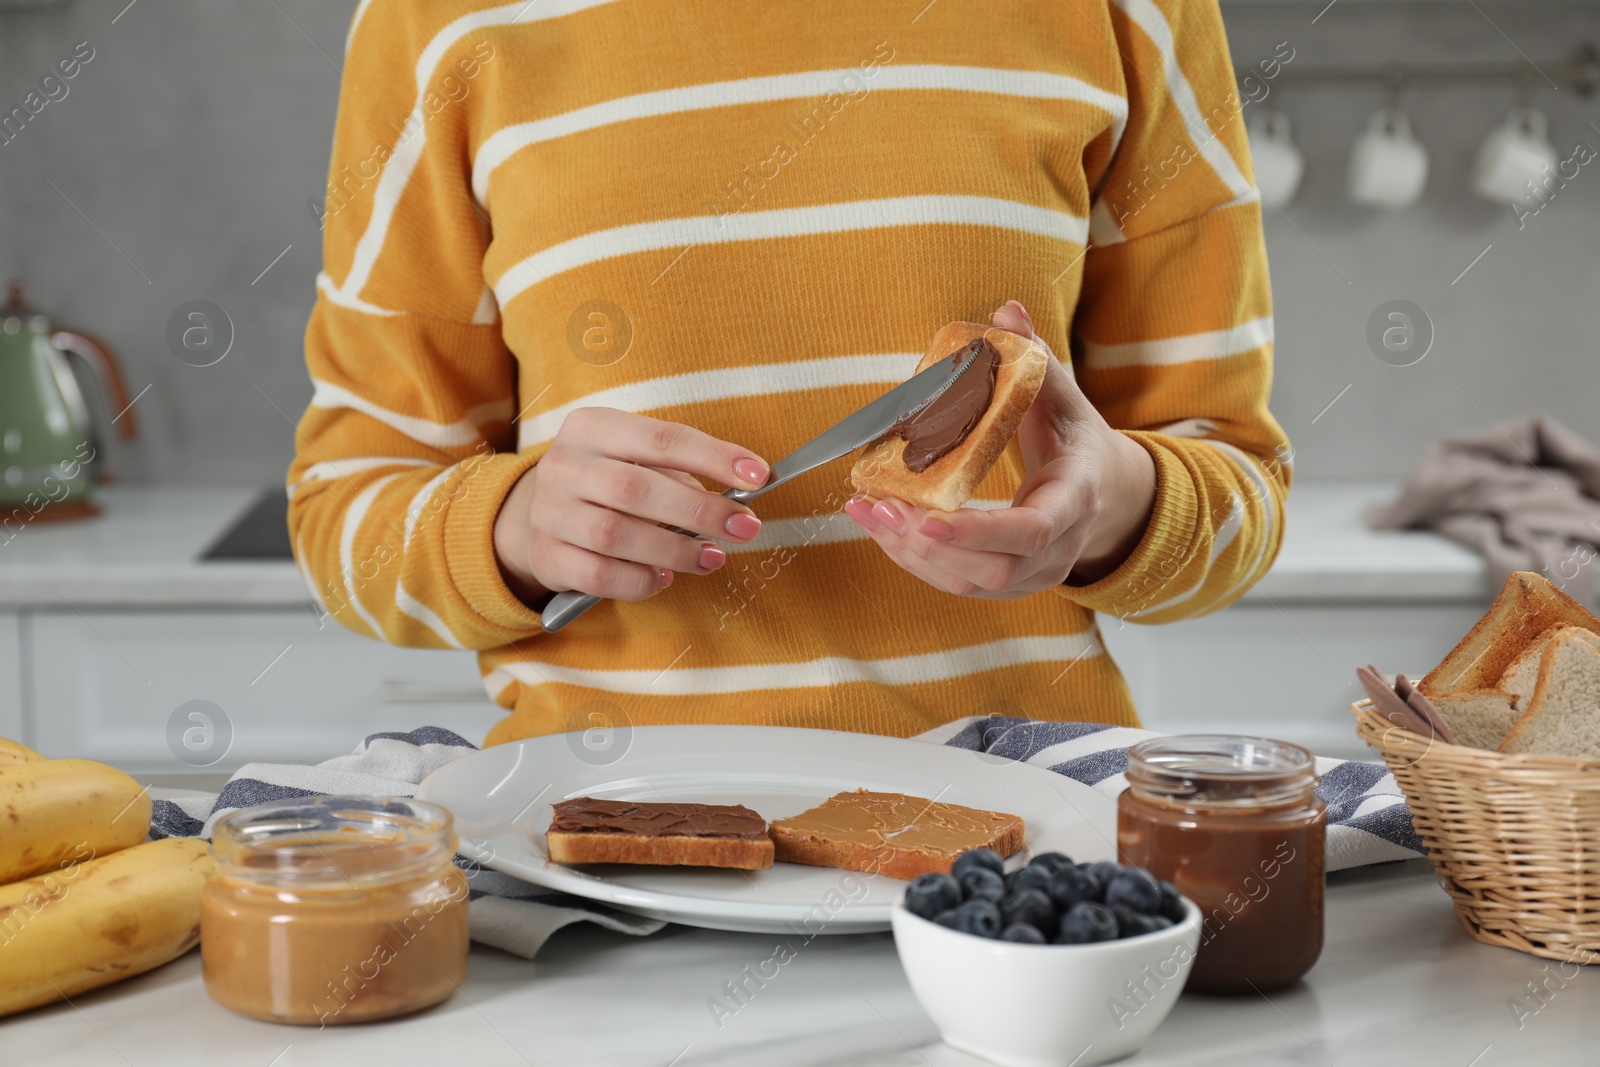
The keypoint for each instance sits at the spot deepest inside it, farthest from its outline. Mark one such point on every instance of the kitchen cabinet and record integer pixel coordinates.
(109, 627)
(109, 685)
(174, 690)
(1278, 670)
(11, 701)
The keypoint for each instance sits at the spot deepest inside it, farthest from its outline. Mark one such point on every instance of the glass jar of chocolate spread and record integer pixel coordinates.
(327, 910)
(1236, 825)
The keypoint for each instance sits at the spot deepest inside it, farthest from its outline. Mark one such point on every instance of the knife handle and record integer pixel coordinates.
(563, 608)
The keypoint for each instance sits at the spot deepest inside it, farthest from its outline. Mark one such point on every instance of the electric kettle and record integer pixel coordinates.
(49, 443)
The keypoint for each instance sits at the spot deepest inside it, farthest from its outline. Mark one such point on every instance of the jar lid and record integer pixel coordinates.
(334, 840)
(1221, 769)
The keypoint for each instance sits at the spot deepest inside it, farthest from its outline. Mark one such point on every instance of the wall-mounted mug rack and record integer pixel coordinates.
(1581, 72)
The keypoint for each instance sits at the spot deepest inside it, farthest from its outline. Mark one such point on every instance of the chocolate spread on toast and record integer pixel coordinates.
(938, 428)
(588, 815)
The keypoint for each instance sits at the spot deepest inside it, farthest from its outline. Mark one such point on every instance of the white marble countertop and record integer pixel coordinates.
(1398, 983)
(144, 549)
(1330, 554)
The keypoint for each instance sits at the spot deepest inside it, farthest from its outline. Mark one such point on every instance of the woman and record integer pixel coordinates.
(587, 262)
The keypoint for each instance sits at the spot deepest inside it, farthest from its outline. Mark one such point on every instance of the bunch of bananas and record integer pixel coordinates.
(84, 899)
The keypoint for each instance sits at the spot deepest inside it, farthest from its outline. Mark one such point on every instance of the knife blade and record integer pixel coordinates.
(862, 427)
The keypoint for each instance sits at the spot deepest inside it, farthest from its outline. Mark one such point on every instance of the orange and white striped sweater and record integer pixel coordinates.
(751, 219)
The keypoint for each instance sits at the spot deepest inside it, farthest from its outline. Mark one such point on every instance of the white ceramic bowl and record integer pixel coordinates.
(1045, 1005)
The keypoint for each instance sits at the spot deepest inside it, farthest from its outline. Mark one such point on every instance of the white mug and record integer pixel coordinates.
(1388, 165)
(1516, 151)
(1278, 163)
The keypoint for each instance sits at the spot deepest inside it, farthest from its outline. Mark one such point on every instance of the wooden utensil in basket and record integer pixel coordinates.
(1514, 838)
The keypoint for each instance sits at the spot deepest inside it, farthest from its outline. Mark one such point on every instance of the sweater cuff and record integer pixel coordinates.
(469, 546)
(1141, 581)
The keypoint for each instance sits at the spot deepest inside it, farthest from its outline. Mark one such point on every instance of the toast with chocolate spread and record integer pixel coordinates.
(592, 830)
(936, 459)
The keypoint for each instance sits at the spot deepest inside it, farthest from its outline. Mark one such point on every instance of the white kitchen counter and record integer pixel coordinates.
(1330, 555)
(144, 551)
(1399, 983)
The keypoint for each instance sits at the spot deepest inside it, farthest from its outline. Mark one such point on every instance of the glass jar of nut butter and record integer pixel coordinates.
(1236, 825)
(327, 910)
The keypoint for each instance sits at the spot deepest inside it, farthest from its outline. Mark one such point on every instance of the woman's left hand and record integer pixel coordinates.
(1086, 496)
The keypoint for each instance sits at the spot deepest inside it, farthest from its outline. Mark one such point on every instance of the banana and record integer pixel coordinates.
(16, 752)
(59, 811)
(93, 923)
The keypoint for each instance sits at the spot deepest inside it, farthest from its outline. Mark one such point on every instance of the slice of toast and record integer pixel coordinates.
(659, 851)
(591, 830)
(1523, 674)
(1563, 716)
(891, 833)
(952, 479)
(1527, 606)
(1477, 718)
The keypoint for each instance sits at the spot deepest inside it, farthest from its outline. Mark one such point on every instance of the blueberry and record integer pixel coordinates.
(1105, 871)
(949, 919)
(1158, 922)
(932, 893)
(1051, 861)
(1029, 906)
(1028, 935)
(978, 857)
(1096, 888)
(1029, 877)
(980, 883)
(1087, 922)
(980, 917)
(1136, 889)
(1171, 904)
(1131, 923)
(1072, 885)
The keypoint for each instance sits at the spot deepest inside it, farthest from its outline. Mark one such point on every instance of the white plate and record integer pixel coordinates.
(501, 799)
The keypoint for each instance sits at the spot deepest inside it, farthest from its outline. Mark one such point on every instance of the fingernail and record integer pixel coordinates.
(742, 526)
(888, 516)
(859, 510)
(711, 557)
(1023, 312)
(752, 471)
(937, 529)
(666, 577)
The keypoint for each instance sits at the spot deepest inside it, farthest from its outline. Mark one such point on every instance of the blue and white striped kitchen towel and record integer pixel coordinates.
(1368, 821)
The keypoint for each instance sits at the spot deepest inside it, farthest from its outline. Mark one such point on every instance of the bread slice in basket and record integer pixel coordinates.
(1523, 675)
(952, 479)
(891, 833)
(1478, 718)
(1563, 716)
(1527, 606)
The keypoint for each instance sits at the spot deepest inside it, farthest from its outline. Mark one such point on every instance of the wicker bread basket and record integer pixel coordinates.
(1515, 839)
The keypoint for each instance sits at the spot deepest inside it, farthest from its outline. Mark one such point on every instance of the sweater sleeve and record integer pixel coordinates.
(406, 450)
(1172, 337)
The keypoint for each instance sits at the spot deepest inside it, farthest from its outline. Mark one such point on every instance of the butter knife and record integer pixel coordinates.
(867, 425)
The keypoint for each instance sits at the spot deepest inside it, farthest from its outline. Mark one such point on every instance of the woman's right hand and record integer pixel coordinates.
(586, 516)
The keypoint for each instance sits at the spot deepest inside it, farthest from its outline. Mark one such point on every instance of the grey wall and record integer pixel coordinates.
(1519, 331)
(197, 134)
(192, 140)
